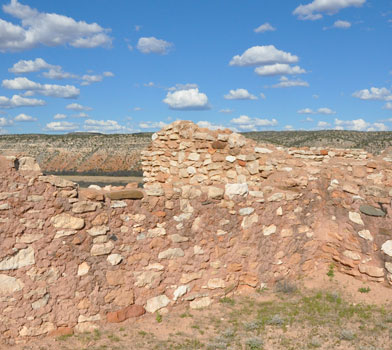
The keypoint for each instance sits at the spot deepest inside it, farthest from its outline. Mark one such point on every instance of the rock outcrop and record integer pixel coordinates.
(219, 214)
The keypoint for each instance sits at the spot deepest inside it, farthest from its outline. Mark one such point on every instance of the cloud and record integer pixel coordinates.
(356, 124)
(322, 110)
(59, 116)
(89, 79)
(102, 126)
(150, 84)
(246, 123)
(288, 127)
(19, 101)
(286, 83)
(239, 94)
(190, 99)
(322, 124)
(278, 69)
(62, 91)
(262, 96)
(29, 66)
(58, 73)
(379, 127)
(187, 86)
(266, 27)
(154, 45)
(78, 107)
(262, 55)
(80, 115)
(209, 125)
(5, 122)
(152, 125)
(48, 29)
(313, 10)
(342, 24)
(388, 105)
(24, 118)
(380, 94)
(61, 126)
(137, 109)
(226, 111)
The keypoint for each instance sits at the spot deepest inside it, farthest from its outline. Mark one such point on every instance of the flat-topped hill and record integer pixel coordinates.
(119, 154)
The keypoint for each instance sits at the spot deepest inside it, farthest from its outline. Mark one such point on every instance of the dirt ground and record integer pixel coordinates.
(320, 312)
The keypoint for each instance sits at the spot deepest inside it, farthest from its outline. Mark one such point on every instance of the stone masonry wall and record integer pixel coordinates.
(219, 214)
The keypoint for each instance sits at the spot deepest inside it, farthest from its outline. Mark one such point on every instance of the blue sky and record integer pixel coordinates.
(248, 65)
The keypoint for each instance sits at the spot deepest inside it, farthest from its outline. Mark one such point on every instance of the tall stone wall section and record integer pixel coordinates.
(218, 215)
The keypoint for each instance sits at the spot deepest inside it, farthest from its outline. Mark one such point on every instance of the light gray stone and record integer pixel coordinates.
(147, 278)
(246, 211)
(5, 206)
(387, 247)
(114, 259)
(366, 235)
(237, 189)
(156, 232)
(24, 257)
(200, 303)
(98, 230)
(269, 230)
(372, 271)
(388, 266)
(118, 204)
(215, 192)
(57, 181)
(67, 222)
(276, 197)
(9, 285)
(40, 302)
(156, 303)
(355, 217)
(231, 159)
(176, 238)
(180, 291)
(102, 248)
(30, 237)
(171, 253)
(83, 269)
(352, 255)
(262, 150)
(64, 233)
(249, 221)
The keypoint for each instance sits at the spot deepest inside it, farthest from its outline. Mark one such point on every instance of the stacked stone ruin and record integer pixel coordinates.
(218, 215)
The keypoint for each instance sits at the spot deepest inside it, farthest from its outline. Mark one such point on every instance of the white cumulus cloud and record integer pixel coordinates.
(286, 83)
(388, 105)
(78, 107)
(244, 122)
(24, 118)
(313, 11)
(5, 122)
(381, 94)
(322, 110)
(58, 73)
(59, 116)
(28, 66)
(102, 126)
(266, 27)
(239, 94)
(190, 99)
(62, 91)
(279, 69)
(19, 101)
(153, 45)
(152, 125)
(342, 24)
(49, 29)
(355, 124)
(263, 55)
(323, 124)
(61, 126)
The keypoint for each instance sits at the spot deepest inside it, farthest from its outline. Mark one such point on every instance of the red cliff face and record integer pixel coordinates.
(78, 153)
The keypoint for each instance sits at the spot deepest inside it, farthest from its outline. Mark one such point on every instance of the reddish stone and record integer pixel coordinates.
(211, 151)
(241, 162)
(91, 194)
(218, 145)
(323, 152)
(123, 314)
(61, 331)
(160, 214)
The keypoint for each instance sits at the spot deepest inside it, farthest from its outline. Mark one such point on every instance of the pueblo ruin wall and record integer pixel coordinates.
(218, 214)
